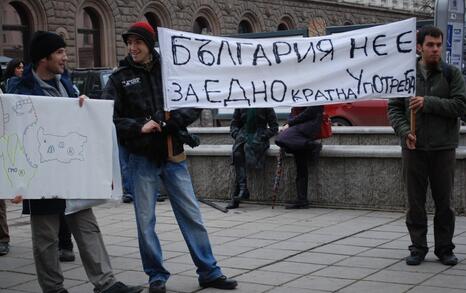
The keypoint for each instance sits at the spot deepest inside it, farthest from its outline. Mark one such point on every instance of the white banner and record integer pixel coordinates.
(218, 72)
(49, 147)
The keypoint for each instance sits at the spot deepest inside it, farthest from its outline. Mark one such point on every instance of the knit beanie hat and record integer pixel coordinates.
(144, 31)
(43, 44)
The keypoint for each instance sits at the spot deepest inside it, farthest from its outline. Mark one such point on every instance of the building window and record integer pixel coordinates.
(282, 27)
(88, 42)
(16, 30)
(245, 27)
(202, 26)
(286, 23)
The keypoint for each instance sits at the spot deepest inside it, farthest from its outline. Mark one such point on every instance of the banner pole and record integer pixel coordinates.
(413, 122)
(169, 138)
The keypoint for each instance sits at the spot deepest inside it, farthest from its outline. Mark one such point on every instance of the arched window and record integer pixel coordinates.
(286, 23)
(17, 29)
(245, 27)
(202, 26)
(88, 42)
(95, 35)
(283, 27)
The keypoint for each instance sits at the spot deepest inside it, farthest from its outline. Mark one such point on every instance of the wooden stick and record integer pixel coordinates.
(169, 138)
(413, 122)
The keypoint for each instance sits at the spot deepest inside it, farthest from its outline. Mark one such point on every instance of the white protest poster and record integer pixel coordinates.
(218, 72)
(50, 147)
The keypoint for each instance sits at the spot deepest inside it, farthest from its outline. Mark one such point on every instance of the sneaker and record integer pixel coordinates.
(127, 198)
(119, 287)
(4, 248)
(221, 282)
(449, 259)
(415, 258)
(66, 255)
(157, 287)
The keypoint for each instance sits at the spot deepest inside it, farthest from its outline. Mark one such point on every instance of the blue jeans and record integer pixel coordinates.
(125, 171)
(146, 178)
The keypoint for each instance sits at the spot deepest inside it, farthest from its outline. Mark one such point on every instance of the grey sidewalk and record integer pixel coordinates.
(314, 250)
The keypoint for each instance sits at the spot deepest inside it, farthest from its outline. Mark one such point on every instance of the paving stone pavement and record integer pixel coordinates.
(265, 249)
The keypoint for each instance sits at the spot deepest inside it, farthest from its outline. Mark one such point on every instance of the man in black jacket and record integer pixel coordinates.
(46, 76)
(156, 153)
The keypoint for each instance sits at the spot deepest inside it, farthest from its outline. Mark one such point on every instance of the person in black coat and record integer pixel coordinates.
(251, 130)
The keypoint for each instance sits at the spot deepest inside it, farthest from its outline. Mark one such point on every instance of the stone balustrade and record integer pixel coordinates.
(342, 135)
(349, 176)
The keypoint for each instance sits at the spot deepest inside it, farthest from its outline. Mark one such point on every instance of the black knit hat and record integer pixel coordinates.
(43, 44)
(144, 31)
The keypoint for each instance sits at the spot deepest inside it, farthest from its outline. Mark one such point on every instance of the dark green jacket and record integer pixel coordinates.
(437, 123)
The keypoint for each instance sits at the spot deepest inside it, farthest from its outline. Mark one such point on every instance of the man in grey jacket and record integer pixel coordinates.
(46, 76)
(428, 153)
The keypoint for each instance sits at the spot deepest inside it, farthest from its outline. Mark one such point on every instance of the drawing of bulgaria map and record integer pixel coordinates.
(50, 147)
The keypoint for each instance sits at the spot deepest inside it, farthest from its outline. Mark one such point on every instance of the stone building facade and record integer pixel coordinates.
(92, 28)
(412, 5)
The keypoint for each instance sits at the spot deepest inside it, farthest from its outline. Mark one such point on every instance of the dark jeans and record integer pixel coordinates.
(420, 169)
(4, 236)
(64, 235)
(301, 160)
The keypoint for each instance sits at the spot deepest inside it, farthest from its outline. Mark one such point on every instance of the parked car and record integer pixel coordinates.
(361, 113)
(4, 61)
(91, 81)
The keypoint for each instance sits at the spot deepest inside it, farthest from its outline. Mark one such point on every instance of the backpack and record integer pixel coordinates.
(325, 127)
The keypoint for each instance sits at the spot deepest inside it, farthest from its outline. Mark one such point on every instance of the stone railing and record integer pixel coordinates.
(347, 175)
(350, 135)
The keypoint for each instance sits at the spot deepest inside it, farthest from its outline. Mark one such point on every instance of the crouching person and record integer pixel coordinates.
(299, 138)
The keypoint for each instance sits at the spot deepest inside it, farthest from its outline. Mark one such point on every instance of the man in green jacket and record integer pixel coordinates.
(428, 153)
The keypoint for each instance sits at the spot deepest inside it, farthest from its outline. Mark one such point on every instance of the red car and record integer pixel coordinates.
(361, 113)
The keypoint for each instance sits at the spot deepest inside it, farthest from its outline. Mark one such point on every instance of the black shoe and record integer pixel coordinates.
(449, 259)
(127, 198)
(157, 287)
(234, 204)
(221, 282)
(4, 248)
(119, 287)
(65, 255)
(297, 204)
(415, 258)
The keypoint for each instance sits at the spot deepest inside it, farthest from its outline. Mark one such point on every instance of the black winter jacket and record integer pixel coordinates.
(137, 91)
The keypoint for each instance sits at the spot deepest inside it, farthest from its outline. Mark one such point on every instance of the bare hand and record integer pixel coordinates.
(416, 103)
(81, 100)
(286, 126)
(17, 199)
(151, 126)
(411, 141)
